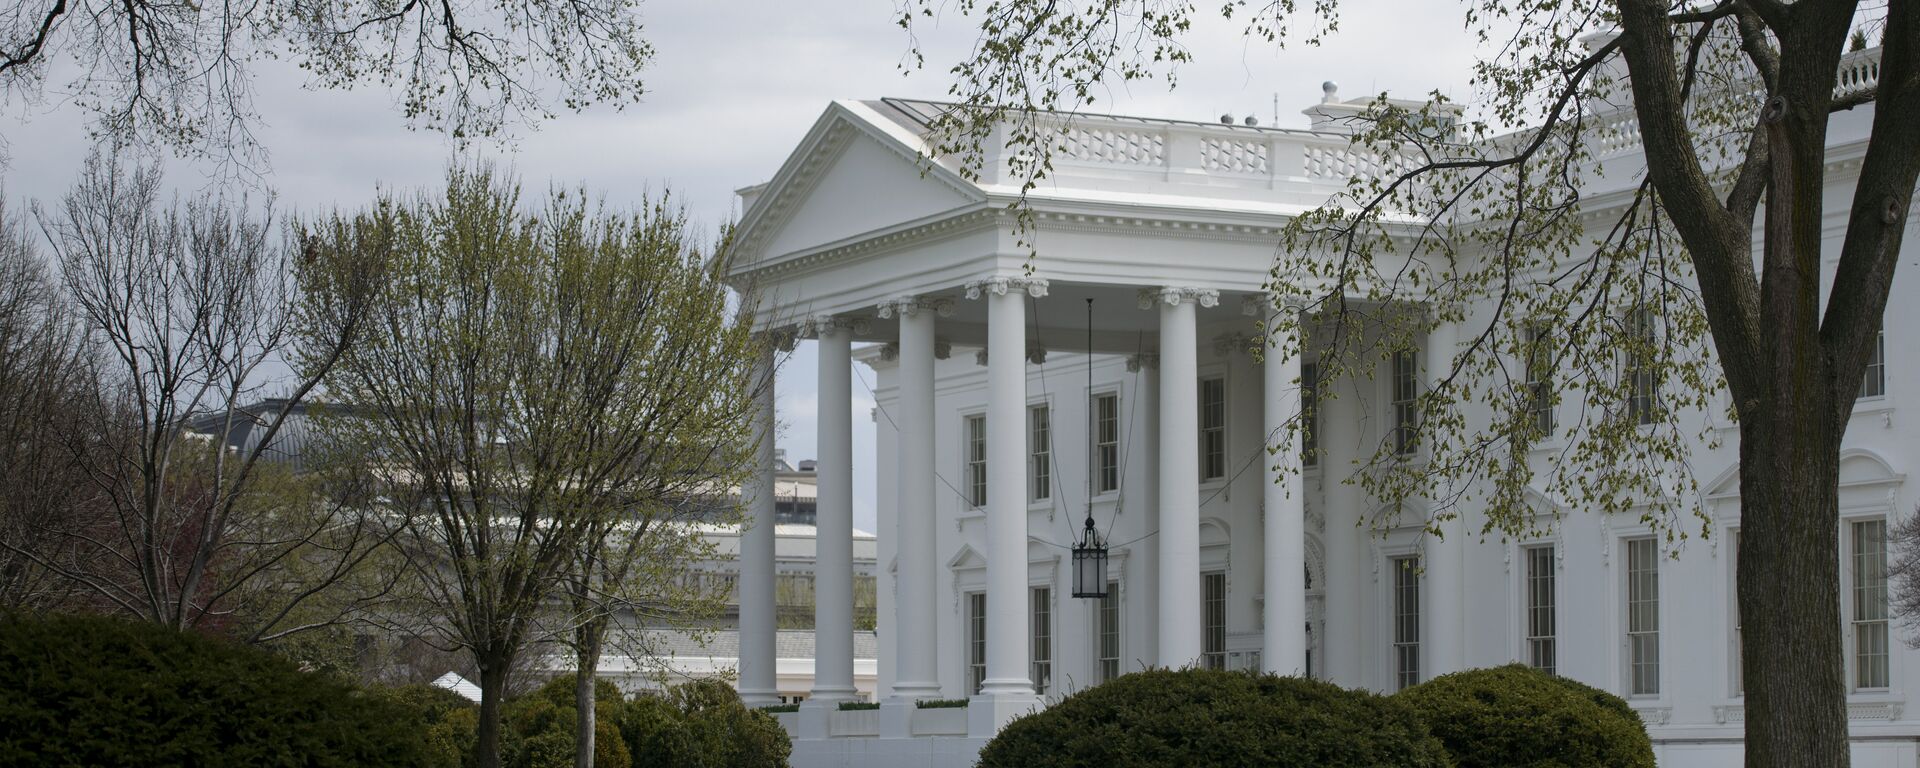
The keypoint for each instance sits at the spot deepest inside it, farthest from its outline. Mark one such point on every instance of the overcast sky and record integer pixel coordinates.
(733, 88)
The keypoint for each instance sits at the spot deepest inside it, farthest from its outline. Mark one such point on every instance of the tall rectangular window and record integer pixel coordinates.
(977, 460)
(976, 640)
(1406, 621)
(1109, 639)
(1213, 614)
(1539, 391)
(1406, 392)
(1041, 651)
(1643, 389)
(1542, 629)
(1643, 617)
(1310, 414)
(1040, 444)
(1869, 588)
(1213, 428)
(1106, 442)
(1874, 384)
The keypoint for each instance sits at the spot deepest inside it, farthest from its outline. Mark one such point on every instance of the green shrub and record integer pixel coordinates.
(1211, 718)
(701, 724)
(541, 727)
(90, 690)
(941, 704)
(774, 709)
(856, 706)
(1519, 716)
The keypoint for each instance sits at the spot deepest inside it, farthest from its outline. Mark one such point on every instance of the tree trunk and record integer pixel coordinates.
(493, 694)
(1789, 590)
(587, 667)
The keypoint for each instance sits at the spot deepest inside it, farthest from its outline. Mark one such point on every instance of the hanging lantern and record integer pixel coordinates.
(1090, 553)
(1090, 564)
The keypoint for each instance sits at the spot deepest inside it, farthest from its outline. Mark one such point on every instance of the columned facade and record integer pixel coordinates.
(916, 670)
(1283, 500)
(1179, 473)
(758, 620)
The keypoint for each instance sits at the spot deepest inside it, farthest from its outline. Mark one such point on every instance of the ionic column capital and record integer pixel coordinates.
(822, 325)
(1265, 303)
(890, 351)
(781, 338)
(909, 306)
(1173, 296)
(1228, 343)
(1000, 285)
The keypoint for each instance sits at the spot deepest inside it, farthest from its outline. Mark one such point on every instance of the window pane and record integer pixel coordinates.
(1110, 634)
(1041, 652)
(1040, 442)
(1309, 414)
(976, 641)
(1643, 616)
(977, 460)
(1213, 428)
(1406, 621)
(1406, 391)
(1214, 633)
(1541, 625)
(1106, 408)
(1869, 547)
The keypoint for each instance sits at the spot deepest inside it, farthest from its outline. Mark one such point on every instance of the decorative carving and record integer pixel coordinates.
(1172, 296)
(784, 337)
(942, 349)
(1229, 343)
(908, 306)
(890, 351)
(1263, 304)
(980, 357)
(1143, 360)
(821, 325)
(1036, 352)
(1000, 285)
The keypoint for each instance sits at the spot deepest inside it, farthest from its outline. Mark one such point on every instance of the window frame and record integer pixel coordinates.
(1851, 606)
(1310, 414)
(1106, 452)
(1213, 427)
(1040, 637)
(1647, 548)
(973, 429)
(1403, 402)
(1039, 453)
(1407, 630)
(1643, 385)
(1540, 605)
(1873, 383)
(1213, 619)
(1539, 387)
(975, 618)
(1109, 609)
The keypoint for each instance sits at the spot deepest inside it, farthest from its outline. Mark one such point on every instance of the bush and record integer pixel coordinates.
(1519, 716)
(90, 690)
(541, 727)
(699, 724)
(1211, 718)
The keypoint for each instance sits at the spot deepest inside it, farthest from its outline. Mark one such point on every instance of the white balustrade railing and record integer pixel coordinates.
(1252, 154)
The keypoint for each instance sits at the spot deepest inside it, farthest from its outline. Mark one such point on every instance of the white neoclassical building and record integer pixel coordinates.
(989, 431)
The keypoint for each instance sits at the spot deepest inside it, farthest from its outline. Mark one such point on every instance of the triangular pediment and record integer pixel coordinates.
(853, 175)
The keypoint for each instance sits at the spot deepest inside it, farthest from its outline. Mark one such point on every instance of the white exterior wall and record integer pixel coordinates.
(1108, 231)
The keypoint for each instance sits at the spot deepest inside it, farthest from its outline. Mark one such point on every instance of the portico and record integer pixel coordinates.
(994, 445)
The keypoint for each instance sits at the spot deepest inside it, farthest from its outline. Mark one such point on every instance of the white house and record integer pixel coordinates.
(1219, 558)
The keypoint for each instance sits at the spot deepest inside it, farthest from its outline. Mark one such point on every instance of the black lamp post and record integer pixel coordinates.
(1090, 552)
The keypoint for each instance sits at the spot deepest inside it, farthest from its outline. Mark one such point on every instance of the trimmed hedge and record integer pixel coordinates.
(92, 690)
(1515, 716)
(1213, 718)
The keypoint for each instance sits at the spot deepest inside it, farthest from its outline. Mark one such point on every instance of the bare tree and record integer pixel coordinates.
(532, 387)
(189, 311)
(45, 374)
(181, 75)
(1654, 301)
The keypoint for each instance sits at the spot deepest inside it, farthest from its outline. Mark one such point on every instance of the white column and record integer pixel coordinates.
(1348, 557)
(1446, 604)
(759, 684)
(915, 651)
(1147, 447)
(833, 543)
(1007, 652)
(1284, 650)
(1180, 599)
